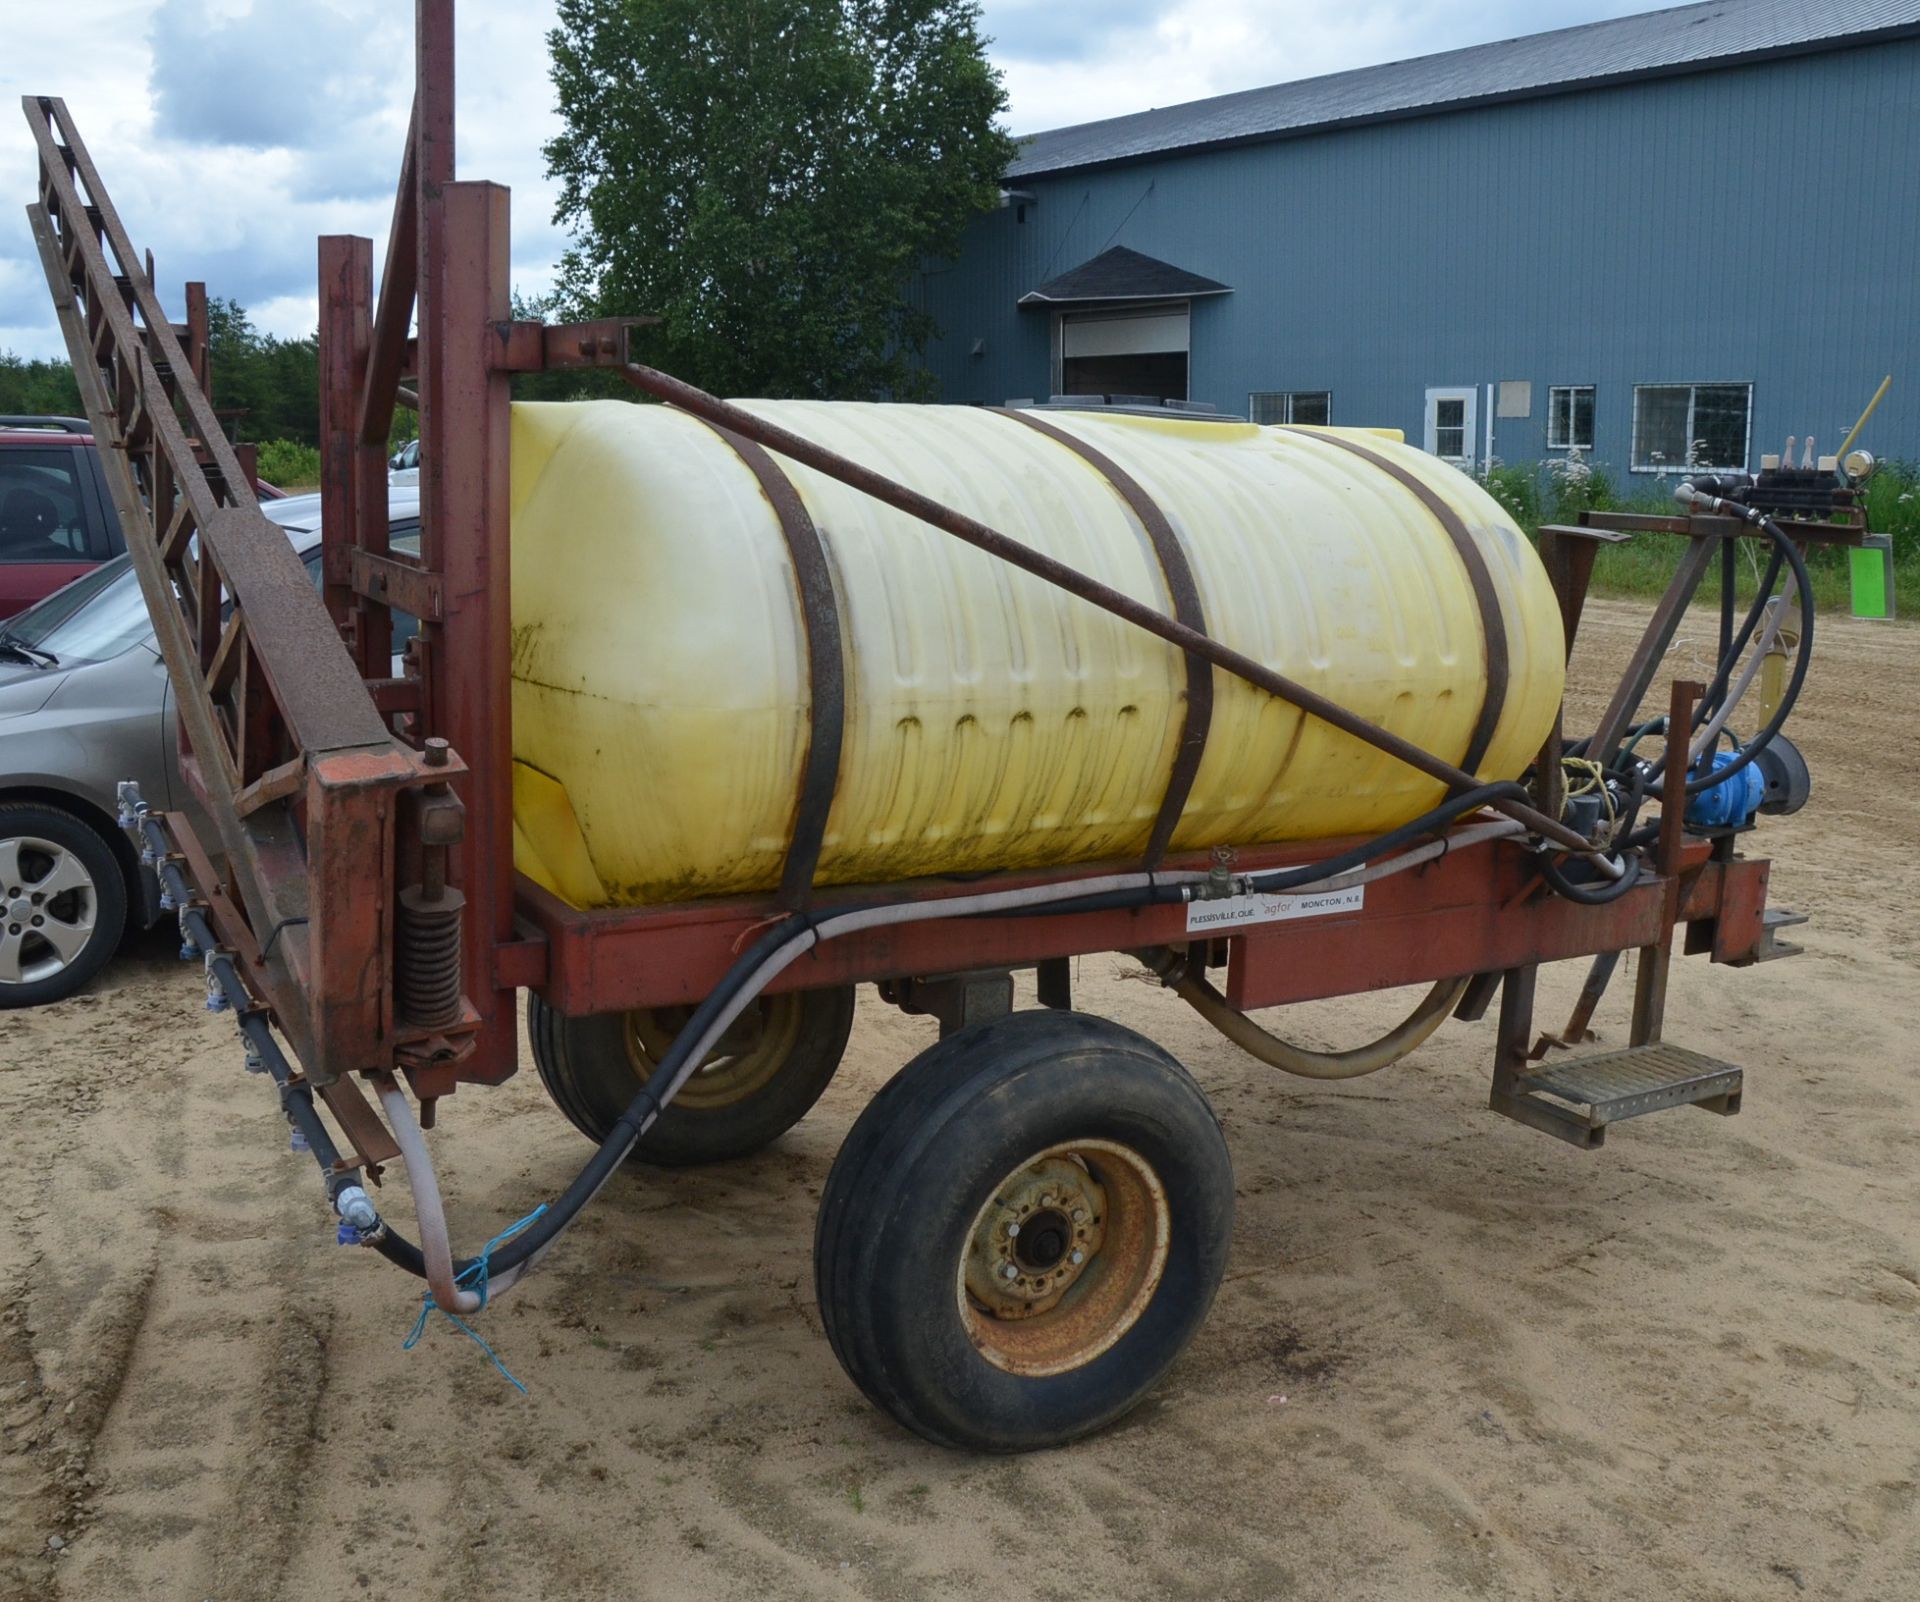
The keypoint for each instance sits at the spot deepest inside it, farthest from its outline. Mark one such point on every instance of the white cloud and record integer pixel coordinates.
(232, 132)
(1165, 54)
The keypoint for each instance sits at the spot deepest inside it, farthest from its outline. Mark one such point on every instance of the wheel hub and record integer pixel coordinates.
(746, 1057)
(1041, 1231)
(47, 908)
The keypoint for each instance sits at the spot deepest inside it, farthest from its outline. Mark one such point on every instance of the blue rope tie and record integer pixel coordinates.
(475, 1274)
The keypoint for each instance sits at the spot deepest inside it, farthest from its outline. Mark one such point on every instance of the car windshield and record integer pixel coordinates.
(91, 619)
(104, 613)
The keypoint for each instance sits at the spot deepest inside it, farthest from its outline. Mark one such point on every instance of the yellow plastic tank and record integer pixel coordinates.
(660, 680)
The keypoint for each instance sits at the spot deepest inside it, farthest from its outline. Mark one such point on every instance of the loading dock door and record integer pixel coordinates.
(1141, 353)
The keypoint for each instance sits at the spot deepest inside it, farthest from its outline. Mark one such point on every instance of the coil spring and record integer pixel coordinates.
(427, 958)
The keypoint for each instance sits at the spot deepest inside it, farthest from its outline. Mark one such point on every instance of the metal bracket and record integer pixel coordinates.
(958, 1000)
(523, 347)
(395, 581)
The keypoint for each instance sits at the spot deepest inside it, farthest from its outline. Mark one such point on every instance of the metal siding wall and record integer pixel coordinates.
(1750, 224)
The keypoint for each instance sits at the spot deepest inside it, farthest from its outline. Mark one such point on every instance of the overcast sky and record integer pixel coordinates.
(231, 133)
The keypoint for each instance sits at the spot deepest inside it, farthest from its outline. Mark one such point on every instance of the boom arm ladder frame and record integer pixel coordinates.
(281, 741)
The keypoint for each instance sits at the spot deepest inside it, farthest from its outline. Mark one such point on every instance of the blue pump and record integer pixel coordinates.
(1732, 802)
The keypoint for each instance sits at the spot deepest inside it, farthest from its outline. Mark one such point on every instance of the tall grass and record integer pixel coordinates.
(289, 464)
(1559, 491)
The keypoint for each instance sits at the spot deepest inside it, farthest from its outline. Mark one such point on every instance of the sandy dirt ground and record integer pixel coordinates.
(1452, 1358)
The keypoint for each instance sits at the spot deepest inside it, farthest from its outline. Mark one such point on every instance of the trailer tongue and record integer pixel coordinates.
(1029, 1222)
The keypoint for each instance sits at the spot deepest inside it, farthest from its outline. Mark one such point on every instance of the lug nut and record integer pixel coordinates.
(1077, 1258)
(1012, 1230)
(1010, 1271)
(1079, 1215)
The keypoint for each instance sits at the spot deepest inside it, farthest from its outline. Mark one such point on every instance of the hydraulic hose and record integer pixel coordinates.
(1330, 868)
(764, 961)
(1395, 1044)
(1708, 734)
(225, 988)
(1803, 654)
(1453, 807)
(1716, 691)
(1588, 895)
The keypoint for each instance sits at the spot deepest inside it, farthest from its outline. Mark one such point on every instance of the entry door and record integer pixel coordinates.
(1450, 424)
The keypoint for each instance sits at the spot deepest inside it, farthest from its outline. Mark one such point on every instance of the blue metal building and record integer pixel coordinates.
(1693, 225)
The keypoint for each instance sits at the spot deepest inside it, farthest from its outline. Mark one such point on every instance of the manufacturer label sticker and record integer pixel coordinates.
(1265, 908)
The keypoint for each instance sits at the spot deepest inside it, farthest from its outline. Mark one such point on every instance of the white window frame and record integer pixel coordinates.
(1288, 397)
(1469, 396)
(1692, 387)
(1554, 392)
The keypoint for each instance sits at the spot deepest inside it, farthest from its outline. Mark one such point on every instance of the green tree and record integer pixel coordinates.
(273, 384)
(37, 387)
(769, 177)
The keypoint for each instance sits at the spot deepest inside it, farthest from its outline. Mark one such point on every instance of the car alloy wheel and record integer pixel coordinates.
(49, 905)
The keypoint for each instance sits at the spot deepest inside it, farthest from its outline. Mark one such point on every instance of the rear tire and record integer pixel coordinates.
(1023, 1231)
(785, 1053)
(63, 903)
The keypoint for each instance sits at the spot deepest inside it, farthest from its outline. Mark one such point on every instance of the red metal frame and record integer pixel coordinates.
(1472, 911)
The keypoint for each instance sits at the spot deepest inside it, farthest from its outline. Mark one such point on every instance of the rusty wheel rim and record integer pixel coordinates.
(1064, 1257)
(745, 1061)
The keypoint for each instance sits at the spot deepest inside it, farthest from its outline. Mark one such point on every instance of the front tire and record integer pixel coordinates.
(63, 904)
(767, 1074)
(1023, 1231)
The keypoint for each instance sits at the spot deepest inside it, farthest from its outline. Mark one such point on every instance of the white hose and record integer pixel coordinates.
(1709, 735)
(427, 1208)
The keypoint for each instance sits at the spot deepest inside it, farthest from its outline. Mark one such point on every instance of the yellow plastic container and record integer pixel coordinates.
(660, 680)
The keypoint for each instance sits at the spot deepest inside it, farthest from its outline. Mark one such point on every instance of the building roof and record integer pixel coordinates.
(1122, 274)
(1691, 38)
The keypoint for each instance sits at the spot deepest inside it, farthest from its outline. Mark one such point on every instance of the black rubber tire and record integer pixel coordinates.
(926, 1156)
(33, 819)
(592, 1078)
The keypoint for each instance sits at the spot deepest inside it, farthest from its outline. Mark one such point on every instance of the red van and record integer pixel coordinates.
(56, 519)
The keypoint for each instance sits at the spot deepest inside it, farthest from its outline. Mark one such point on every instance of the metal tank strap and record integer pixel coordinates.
(826, 669)
(1493, 626)
(1185, 594)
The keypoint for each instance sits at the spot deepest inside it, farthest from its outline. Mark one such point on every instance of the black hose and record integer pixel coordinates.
(1590, 895)
(628, 1128)
(1731, 654)
(1784, 548)
(1453, 807)
(1728, 573)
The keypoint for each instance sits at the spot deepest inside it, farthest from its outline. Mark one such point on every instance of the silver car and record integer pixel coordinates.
(85, 703)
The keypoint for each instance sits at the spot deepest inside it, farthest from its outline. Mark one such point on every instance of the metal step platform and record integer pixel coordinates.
(1576, 1098)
